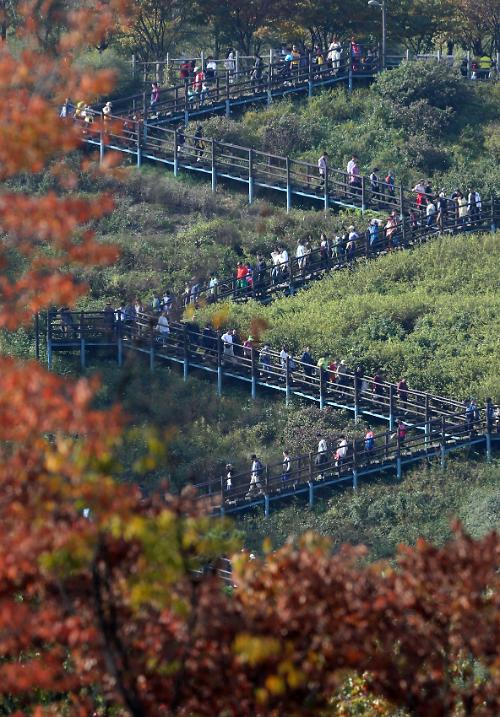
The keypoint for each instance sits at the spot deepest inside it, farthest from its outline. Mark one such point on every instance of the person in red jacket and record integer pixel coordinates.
(241, 275)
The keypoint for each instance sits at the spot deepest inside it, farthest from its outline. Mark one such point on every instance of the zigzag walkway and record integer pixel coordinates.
(287, 278)
(435, 425)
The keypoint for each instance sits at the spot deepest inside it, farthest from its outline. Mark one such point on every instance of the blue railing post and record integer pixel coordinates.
(119, 344)
(493, 221)
(427, 421)
(82, 340)
(350, 73)
(398, 458)
(250, 176)
(228, 96)
(49, 340)
(101, 143)
(311, 494)
(186, 103)
(391, 407)
(176, 155)
(139, 148)
(186, 353)
(356, 397)
(321, 388)
(266, 506)
(488, 434)
(219, 365)
(152, 351)
(287, 381)
(363, 195)
(254, 373)
(354, 465)
(310, 75)
(288, 186)
(443, 442)
(325, 199)
(270, 84)
(214, 169)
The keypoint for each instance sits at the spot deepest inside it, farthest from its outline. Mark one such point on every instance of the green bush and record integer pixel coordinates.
(110, 59)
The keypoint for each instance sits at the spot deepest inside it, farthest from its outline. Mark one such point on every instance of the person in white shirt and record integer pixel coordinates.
(322, 446)
(323, 168)
(419, 187)
(106, 111)
(162, 326)
(212, 288)
(299, 254)
(353, 172)
(227, 340)
(341, 451)
(284, 356)
(276, 260)
(284, 259)
(430, 213)
(255, 473)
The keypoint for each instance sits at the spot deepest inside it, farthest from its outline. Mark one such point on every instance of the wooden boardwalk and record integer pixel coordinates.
(436, 425)
(228, 91)
(299, 272)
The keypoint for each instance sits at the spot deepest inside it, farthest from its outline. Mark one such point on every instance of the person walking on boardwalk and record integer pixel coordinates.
(341, 452)
(377, 384)
(307, 362)
(321, 455)
(229, 477)
(323, 169)
(402, 389)
(255, 476)
(353, 172)
(227, 344)
(369, 442)
(199, 143)
(155, 94)
(265, 358)
(287, 467)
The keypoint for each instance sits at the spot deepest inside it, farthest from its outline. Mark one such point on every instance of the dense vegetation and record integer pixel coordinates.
(421, 119)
